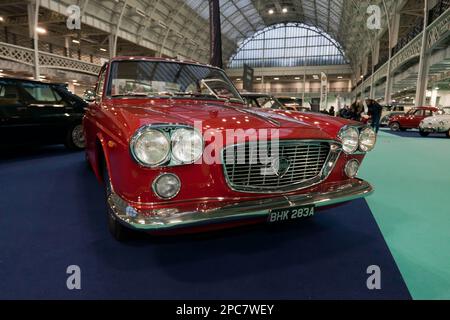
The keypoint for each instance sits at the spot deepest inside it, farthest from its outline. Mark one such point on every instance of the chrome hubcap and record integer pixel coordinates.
(78, 136)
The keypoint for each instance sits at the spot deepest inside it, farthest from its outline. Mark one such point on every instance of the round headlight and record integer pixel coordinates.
(187, 145)
(151, 147)
(351, 168)
(166, 186)
(367, 139)
(350, 139)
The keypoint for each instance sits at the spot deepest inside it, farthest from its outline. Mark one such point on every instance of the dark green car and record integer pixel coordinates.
(33, 112)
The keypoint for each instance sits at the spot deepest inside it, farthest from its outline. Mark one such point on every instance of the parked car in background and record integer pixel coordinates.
(387, 118)
(412, 119)
(294, 104)
(158, 137)
(262, 100)
(34, 112)
(440, 123)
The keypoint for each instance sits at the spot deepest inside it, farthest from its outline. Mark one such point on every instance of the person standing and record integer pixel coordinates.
(332, 112)
(375, 110)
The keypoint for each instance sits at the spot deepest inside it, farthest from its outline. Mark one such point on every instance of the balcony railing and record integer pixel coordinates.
(438, 10)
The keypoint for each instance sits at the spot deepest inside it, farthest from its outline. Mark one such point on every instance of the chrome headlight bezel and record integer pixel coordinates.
(364, 147)
(350, 145)
(167, 130)
(140, 134)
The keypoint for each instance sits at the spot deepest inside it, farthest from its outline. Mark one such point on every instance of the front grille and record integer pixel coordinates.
(249, 168)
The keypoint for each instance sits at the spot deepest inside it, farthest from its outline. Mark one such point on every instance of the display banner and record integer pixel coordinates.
(248, 78)
(323, 91)
(215, 34)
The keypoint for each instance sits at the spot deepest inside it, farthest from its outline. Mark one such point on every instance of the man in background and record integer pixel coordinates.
(374, 110)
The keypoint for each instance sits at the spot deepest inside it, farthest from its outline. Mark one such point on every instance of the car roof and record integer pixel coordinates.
(254, 94)
(427, 108)
(145, 58)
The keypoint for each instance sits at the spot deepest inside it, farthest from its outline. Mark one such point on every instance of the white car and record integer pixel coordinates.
(439, 123)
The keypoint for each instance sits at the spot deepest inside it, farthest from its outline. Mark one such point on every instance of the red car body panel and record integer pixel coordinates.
(412, 121)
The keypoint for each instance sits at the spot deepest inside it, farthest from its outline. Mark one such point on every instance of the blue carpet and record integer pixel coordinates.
(52, 216)
(414, 134)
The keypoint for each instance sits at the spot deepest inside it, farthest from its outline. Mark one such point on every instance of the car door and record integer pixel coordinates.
(419, 115)
(16, 120)
(47, 108)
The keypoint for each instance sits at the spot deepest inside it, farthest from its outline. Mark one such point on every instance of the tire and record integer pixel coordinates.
(448, 133)
(424, 134)
(75, 137)
(395, 126)
(117, 230)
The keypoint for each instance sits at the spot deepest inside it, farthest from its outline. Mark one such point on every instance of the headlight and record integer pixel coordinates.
(166, 186)
(367, 139)
(151, 147)
(187, 145)
(350, 139)
(351, 168)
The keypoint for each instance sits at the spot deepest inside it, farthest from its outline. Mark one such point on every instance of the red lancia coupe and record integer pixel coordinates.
(178, 151)
(412, 119)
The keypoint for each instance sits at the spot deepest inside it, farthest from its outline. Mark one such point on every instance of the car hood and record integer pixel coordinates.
(131, 115)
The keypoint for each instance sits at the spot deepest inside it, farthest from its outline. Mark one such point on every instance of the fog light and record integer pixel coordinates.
(166, 186)
(351, 168)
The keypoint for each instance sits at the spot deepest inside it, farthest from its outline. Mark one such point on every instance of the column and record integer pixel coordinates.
(422, 79)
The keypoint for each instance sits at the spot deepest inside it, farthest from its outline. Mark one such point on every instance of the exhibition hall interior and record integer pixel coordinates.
(225, 149)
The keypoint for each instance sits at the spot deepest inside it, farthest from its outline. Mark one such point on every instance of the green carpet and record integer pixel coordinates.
(411, 204)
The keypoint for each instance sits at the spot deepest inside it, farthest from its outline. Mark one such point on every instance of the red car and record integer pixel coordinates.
(179, 151)
(412, 119)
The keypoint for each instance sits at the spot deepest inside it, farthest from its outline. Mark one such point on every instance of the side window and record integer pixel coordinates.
(428, 113)
(8, 93)
(419, 113)
(100, 85)
(41, 92)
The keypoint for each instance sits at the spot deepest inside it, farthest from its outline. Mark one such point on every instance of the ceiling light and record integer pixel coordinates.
(315, 77)
(42, 77)
(1, 19)
(238, 79)
(271, 11)
(276, 78)
(297, 78)
(74, 80)
(103, 49)
(41, 30)
(75, 41)
(340, 77)
(285, 10)
(437, 88)
(258, 79)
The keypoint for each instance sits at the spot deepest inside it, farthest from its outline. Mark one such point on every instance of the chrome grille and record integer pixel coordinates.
(248, 168)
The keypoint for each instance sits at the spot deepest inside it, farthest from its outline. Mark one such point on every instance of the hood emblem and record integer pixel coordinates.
(280, 166)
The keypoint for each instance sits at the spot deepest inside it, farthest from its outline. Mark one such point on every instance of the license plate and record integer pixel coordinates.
(294, 213)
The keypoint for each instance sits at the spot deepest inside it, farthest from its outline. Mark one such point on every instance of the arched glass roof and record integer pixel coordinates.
(288, 45)
(344, 20)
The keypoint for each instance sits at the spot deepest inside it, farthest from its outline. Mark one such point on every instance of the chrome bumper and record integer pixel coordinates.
(171, 218)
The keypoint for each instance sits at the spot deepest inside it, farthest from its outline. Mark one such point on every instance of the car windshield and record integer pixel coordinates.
(169, 79)
(267, 102)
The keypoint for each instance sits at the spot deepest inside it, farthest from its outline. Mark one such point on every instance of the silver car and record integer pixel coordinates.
(439, 123)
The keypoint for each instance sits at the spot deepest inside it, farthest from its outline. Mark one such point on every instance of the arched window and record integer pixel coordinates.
(288, 45)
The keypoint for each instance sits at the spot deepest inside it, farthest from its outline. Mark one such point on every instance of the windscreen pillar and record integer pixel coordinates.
(422, 79)
(215, 34)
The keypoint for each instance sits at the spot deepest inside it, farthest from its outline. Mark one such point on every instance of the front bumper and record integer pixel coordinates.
(172, 218)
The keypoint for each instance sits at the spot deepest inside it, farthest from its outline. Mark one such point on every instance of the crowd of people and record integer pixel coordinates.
(358, 110)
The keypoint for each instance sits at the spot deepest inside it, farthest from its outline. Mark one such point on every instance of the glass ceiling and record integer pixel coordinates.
(344, 20)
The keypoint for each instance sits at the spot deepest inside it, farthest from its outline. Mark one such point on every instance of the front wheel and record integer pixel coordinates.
(75, 138)
(117, 230)
(395, 126)
(424, 134)
(448, 133)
